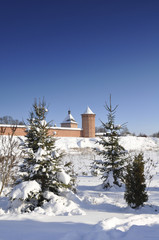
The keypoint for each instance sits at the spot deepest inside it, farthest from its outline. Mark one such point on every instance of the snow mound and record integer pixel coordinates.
(129, 227)
(134, 227)
(22, 190)
(59, 206)
(125, 224)
(54, 206)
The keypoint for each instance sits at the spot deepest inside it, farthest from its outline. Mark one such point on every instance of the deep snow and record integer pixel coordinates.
(93, 213)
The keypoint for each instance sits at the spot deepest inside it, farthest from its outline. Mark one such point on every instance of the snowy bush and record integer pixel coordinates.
(135, 187)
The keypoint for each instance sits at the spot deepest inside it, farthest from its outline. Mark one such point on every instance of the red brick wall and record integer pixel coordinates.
(65, 132)
(57, 132)
(5, 130)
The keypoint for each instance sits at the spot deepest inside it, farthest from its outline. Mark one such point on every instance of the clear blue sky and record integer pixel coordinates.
(75, 53)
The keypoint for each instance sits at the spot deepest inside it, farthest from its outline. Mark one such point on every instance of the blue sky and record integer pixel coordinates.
(75, 53)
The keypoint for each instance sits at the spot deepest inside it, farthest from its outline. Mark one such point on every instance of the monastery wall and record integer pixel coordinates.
(66, 132)
(8, 129)
(53, 131)
(68, 127)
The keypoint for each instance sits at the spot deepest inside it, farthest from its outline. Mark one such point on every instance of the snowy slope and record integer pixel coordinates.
(130, 143)
(92, 213)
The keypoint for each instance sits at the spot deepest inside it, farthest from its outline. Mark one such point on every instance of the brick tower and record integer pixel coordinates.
(88, 123)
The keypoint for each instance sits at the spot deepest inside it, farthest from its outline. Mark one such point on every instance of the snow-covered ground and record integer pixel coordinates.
(92, 213)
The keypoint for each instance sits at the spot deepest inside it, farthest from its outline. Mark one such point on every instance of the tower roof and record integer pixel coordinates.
(69, 118)
(88, 111)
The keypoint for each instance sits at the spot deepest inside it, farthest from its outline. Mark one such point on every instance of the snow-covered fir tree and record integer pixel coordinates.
(42, 169)
(135, 186)
(114, 155)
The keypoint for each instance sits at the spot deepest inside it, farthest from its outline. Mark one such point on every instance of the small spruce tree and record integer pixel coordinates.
(42, 164)
(114, 155)
(135, 187)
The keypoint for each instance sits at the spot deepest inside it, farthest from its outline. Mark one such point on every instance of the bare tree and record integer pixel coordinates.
(10, 120)
(9, 158)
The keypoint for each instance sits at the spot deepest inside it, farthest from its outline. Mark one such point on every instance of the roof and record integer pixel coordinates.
(88, 111)
(69, 118)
